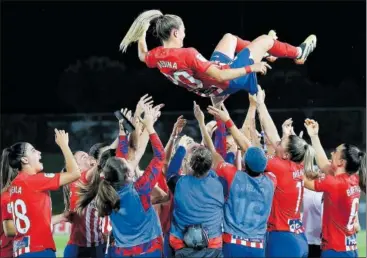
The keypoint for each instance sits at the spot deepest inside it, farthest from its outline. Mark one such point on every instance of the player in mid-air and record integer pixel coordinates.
(225, 73)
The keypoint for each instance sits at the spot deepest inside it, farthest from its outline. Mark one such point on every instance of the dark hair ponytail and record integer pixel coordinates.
(355, 162)
(107, 199)
(11, 163)
(87, 192)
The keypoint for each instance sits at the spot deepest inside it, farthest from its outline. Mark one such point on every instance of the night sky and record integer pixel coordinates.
(43, 41)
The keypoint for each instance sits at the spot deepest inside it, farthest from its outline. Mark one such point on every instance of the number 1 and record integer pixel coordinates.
(299, 185)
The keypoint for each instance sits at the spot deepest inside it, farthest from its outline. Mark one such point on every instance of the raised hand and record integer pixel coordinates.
(179, 125)
(145, 100)
(287, 127)
(260, 67)
(222, 113)
(148, 120)
(312, 127)
(61, 138)
(199, 115)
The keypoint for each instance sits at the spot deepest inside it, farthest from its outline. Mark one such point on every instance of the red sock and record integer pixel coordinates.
(281, 49)
(241, 44)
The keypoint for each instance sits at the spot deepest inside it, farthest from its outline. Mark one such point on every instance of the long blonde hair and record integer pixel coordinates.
(139, 27)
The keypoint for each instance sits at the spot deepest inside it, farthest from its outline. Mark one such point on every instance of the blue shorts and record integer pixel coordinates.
(74, 251)
(156, 254)
(48, 253)
(233, 250)
(286, 244)
(247, 82)
(332, 253)
(167, 249)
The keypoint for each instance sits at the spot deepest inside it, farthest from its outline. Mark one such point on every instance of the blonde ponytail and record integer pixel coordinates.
(139, 27)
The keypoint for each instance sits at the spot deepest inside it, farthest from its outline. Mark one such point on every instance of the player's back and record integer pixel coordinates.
(248, 206)
(341, 201)
(6, 243)
(85, 228)
(31, 207)
(186, 67)
(285, 213)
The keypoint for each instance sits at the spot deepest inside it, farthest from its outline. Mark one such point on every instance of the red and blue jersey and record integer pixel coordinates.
(341, 200)
(186, 67)
(247, 207)
(31, 209)
(140, 233)
(288, 196)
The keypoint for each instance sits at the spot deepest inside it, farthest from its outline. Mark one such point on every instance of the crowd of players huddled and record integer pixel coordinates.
(238, 193)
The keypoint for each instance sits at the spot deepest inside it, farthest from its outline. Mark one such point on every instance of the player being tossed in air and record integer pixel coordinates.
(224, 73)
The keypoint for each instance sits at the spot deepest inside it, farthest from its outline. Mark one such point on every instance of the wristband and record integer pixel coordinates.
(248, 69)
(229, 123)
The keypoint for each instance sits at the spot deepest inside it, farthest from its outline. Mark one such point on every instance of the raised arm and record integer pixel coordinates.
(72, 170)
(199, 115)
(266, 121)
(145, 184)
(239, 137)
(313, 131)
(249, 125)
(142, 48)
(177, 129)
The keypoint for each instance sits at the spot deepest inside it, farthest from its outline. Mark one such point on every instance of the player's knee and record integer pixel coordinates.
(267, 41)
(229, 37)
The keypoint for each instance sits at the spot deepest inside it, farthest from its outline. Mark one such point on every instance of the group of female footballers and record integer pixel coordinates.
(240, 195)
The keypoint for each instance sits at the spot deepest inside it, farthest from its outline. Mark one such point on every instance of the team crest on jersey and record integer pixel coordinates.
(49, 175)
(201, 58)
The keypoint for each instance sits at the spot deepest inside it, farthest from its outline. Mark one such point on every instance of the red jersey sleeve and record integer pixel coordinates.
(196, 61)
(325, 183)
(150, 60)
(6, 213)
(44, 181)
(227, 172)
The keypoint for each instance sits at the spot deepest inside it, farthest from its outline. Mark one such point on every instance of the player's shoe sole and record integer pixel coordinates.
(308, 46)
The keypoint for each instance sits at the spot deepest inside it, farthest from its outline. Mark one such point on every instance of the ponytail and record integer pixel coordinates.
(362, 171)
(107, 199)
(7, 172)
(308, 162)
(139, 27)
(87, 192)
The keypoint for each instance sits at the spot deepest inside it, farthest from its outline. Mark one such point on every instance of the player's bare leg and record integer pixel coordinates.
(231, 44)
(266, 44)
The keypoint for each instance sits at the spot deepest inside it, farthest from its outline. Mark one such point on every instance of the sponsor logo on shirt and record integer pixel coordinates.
(49, 175)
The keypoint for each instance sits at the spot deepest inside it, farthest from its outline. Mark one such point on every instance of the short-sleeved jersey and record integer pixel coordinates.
(341, 200)
(186, 67)
(288, 196)
(6, 243)
(86, 228)
(32, 210)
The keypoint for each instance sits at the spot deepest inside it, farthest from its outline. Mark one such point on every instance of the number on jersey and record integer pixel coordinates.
(353, 214)
(22, 222)
(195, 85)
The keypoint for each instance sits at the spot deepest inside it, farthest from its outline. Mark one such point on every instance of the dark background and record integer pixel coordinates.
(61, 68)
(63, 57)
